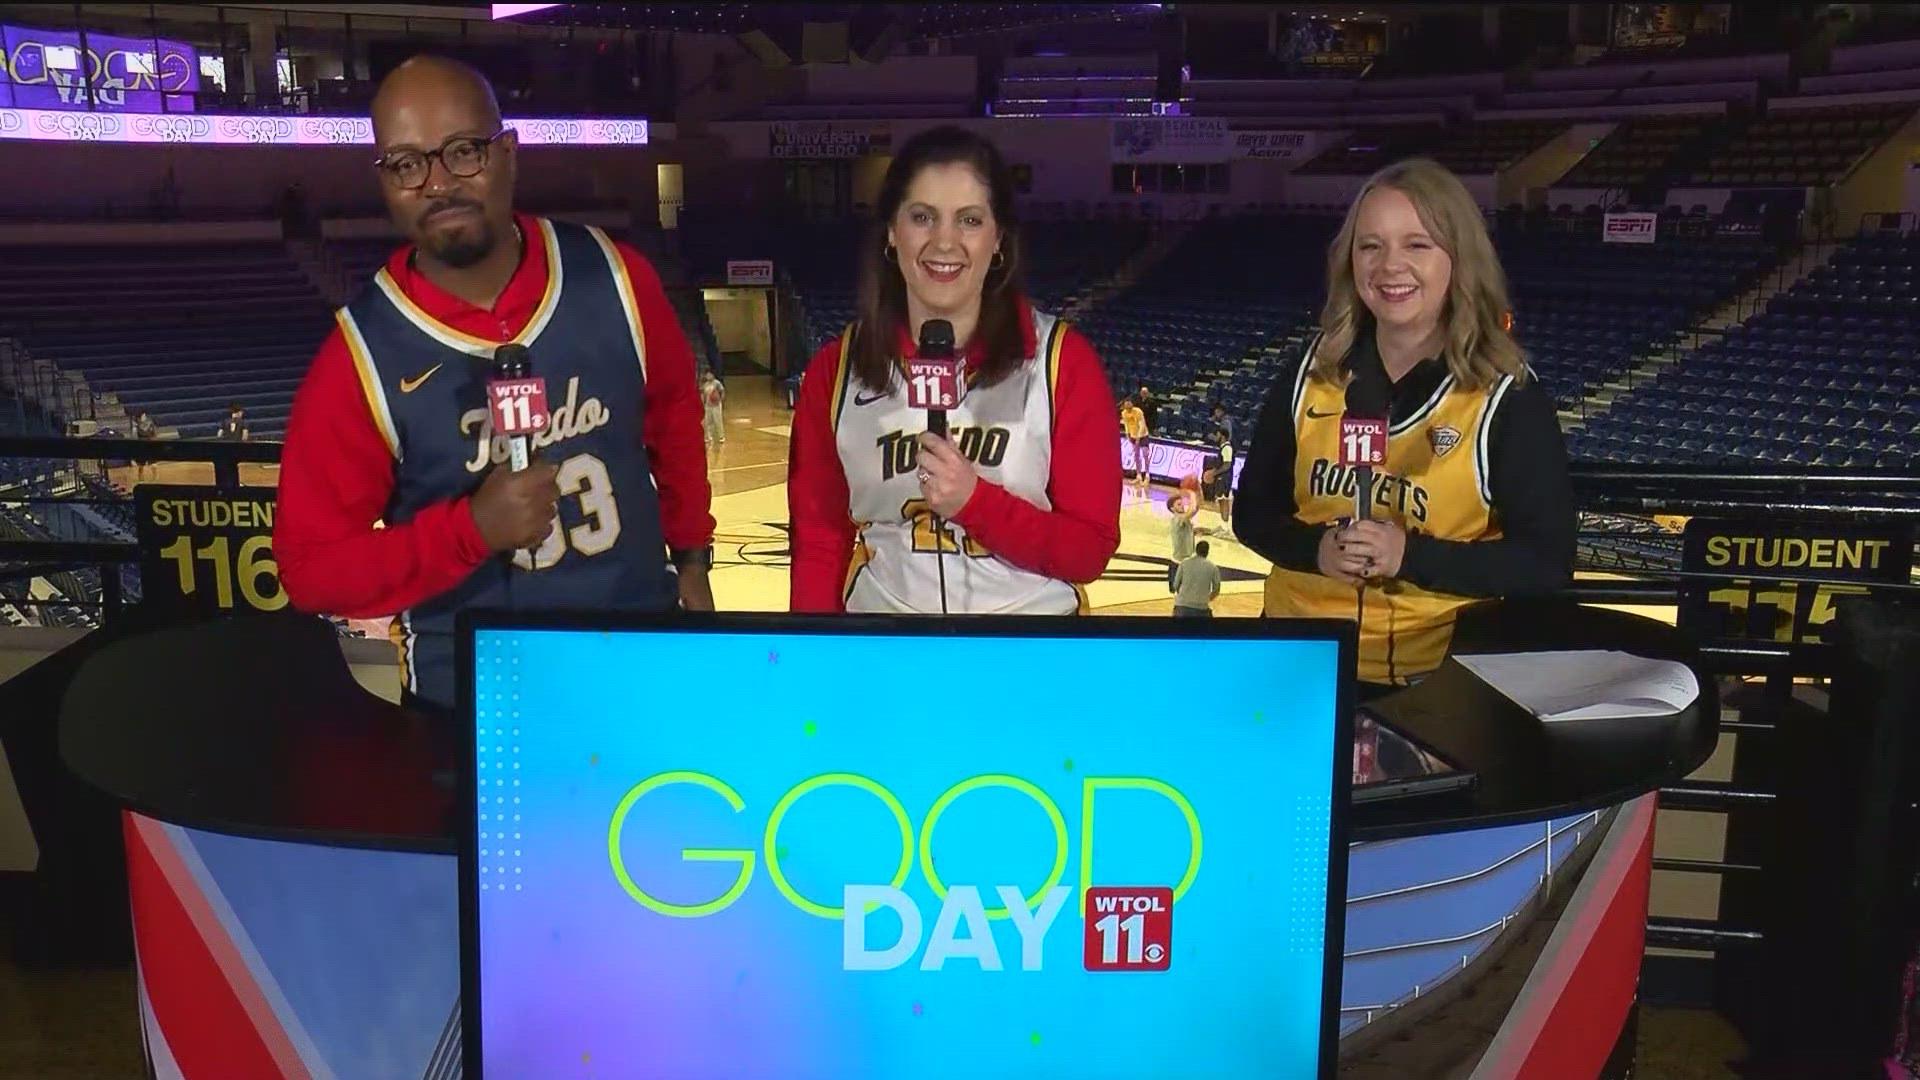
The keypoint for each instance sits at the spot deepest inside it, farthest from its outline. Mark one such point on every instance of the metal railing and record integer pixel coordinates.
(1550, 833)
(24, 557)
(1545, 841)
(1769, 719)
(42, 383)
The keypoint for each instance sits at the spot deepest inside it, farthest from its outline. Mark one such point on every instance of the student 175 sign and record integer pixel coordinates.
(1824, 564)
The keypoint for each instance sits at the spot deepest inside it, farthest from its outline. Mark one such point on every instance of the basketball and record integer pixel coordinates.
(1191, 483)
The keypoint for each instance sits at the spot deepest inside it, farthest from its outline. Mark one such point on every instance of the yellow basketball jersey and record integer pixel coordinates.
(1434, 483)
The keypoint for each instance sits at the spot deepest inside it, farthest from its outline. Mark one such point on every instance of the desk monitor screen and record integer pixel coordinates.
(799, 848)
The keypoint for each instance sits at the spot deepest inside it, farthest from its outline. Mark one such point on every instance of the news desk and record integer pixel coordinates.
(292, 860)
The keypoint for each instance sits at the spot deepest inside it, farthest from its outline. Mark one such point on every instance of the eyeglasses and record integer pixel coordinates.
(462, 156)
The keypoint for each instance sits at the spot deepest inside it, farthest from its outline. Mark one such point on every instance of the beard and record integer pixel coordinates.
(461, 248)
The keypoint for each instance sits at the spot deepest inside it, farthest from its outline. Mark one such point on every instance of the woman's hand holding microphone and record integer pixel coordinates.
(1362, 550)
(947, 478)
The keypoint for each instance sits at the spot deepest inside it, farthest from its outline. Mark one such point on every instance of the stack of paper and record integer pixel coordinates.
(1598, 684)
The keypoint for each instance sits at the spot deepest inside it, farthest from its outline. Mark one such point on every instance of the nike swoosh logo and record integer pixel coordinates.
(408, 386)
(862, 399)
(1311, 415)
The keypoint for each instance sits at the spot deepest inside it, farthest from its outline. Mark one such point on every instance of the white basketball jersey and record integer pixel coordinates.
(1006, 430)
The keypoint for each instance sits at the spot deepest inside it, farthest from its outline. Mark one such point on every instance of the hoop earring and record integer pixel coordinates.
(888, 253)
(999, 260)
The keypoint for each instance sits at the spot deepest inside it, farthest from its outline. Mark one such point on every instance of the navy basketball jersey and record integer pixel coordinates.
(426, 386)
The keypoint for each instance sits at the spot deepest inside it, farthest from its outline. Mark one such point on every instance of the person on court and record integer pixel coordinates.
(145, 429)
(713, 397)
(1182, 506)
(394, 493)
(1133, 422)
(1474, 499)
(1019, 505)
(234, 427)
(1196, 584)
(1220, 478)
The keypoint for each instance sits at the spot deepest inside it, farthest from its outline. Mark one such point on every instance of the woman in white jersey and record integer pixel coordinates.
(1018, 505)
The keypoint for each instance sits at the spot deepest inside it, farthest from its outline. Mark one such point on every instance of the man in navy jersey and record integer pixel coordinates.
(395, 498)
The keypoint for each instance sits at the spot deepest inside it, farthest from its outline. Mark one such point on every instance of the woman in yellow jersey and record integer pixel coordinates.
(1473, 500)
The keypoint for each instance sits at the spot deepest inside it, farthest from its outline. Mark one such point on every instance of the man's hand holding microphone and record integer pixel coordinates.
(517, 507)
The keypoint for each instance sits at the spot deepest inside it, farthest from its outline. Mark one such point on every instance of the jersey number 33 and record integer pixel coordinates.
(581, 476)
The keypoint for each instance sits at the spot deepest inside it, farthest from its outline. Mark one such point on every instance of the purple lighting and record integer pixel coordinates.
(65, 125)
(507, 11)
(48, 69)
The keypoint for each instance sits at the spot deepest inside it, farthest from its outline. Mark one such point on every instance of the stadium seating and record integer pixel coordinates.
(1491, 145)
(178, 330)
(1801, 147)
(31, 514)
(1369, 149)
(360, 257)
(1637, 150)
(19, 417)
(1231, 288)
(1239, 298)
(1821, 377)
(1584, 310)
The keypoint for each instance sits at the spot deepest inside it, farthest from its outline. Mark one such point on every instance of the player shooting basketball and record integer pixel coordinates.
(395, 495)
(1019, 503)
(1472, 499)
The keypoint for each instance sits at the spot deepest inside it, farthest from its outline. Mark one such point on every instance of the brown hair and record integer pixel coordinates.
(883, 291)
(1479, 345)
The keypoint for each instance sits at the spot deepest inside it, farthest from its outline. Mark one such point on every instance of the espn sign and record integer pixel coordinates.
(749, 271)
(1630, 228)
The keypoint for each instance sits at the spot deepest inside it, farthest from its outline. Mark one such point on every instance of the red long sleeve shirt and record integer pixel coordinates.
(337, 473)
(1072, 541)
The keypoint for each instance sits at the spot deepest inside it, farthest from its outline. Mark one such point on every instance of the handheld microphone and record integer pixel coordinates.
(936, 382)
(936, 379)
(1363, 437)
(517, 400)
(1363, 447)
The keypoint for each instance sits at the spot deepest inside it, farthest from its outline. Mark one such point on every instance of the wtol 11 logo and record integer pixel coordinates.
(1126, 927)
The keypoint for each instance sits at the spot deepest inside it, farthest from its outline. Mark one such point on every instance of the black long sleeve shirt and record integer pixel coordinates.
(1532, 495)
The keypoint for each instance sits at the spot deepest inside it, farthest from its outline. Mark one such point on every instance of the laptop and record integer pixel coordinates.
(1390, 764)
(773, 846)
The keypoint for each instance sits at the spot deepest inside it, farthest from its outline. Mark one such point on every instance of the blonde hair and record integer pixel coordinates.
(1479, 346)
